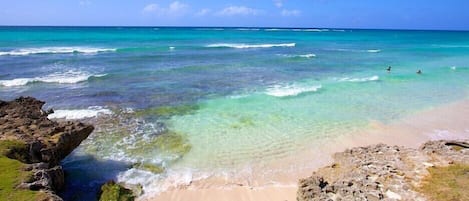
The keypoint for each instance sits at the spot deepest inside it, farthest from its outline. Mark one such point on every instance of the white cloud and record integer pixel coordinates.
(151, 7)
(278, 3)
(174, 9)
(203, 12)
(288, 13)
(238, 10)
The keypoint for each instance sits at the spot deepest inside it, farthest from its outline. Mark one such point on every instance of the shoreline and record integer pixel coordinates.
(448, 121)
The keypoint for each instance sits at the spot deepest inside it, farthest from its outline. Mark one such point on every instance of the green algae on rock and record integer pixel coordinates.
(156, 169)
(111, 191)
(447, 183)
(173, 143)
(243, 122)
(170, 142)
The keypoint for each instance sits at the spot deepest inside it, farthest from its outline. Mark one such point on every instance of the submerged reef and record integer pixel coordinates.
(438, 169)
(31, 148)
(167, 111)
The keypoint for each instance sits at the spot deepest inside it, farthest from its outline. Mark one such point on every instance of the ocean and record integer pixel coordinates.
(172, 105)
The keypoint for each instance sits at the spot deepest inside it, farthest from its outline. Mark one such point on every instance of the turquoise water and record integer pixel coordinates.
(209, 101)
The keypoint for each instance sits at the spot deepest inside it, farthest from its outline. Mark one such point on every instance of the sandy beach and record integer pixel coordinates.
(448, 121)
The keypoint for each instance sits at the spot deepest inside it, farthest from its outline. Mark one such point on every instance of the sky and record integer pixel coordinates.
(375, 14)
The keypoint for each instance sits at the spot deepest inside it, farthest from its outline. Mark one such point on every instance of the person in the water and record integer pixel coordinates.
(389, 69)
(419, 72)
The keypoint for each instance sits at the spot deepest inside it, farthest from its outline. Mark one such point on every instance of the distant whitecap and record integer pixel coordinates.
(243, 46)
(54, 50)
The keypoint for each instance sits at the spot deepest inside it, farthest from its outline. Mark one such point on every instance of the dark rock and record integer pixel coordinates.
(380, 172)
(44, 143)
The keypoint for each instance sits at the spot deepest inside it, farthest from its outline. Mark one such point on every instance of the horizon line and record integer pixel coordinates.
(262, 27)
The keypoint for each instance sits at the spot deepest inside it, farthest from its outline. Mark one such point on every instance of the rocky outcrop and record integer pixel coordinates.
(112, 191)
(380, 172)
(44, 142)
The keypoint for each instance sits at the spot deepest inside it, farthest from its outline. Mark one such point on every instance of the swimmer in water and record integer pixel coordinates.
(419, 72)
(389, 69)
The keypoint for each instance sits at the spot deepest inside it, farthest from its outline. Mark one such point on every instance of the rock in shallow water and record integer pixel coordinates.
(380, 172)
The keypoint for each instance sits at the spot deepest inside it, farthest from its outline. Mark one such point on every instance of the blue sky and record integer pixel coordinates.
(390, 14)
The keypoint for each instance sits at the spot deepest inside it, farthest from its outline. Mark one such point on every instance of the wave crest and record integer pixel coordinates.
(243, 46)
(69, 77)
(311, 30)
(299, 55)
(355, 50)
(365, 79)
(55, 50)
(248, 29)
(91, 112)
(290, 90)
(374, 51)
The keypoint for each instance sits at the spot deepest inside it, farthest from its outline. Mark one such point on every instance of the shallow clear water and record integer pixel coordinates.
(229, 98)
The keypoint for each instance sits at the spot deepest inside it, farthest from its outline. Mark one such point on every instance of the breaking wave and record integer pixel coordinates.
(242, 46)
(311, 30)
(55, 50)
(290, 90)
(91, 112)
(299, 55)
(355, 50)
(365, 79)
(69, 77)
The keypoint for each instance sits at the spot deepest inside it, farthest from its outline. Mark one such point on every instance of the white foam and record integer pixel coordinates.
(300, 55)
(290, 90)
(374, 51)
(15, 82)
(55, 50)
(238, 96)
(91, 112)
(311, 30)
(68, 77)
(365, 79)
(307, 55)
(316, 30)
(272, 29)
(453, 67)
(210, 29)
(248, 29)
(172, 48)
(355, 50)
(154, 184)
(242, 46)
